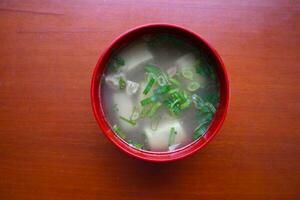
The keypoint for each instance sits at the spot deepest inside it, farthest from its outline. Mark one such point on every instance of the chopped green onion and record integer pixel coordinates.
(148, 100)
(185, 104)
(135, 144)
(162, 89)
(118, 131)
(154, 109)
(135, 114)
(174, 103)
(152, 69)
(204, 122)
(161, 80)
(122, 83)
(149, 85)
(119, 61)
(174, 81)
(193, 86)
(212, 98)
(172, 91)
(129, 121)
(172, 136)
(211, 107)
(145, 110)
(200, 132)
(187, 73)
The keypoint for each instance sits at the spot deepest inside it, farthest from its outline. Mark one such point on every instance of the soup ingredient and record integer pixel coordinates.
(118, 131)
(158, 140)
(116, 62)
(135, 144)
(131, 87)
(172, 136)
(125, 107)
(149, 85)
(135, 55)
(192, 86)
(122, 83)
(113, 80)
(129, 121)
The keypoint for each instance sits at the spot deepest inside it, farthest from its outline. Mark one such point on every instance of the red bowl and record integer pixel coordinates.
(219, 115)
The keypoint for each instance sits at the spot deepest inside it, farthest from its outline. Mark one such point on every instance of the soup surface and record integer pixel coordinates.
(160, 92)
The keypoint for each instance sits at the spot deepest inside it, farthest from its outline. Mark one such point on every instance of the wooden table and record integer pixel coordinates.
(50, 144)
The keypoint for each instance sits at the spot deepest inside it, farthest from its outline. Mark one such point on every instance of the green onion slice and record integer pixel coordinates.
(154, 109)
(149, 85)
(172, 136)
(193, 86)
(148, 100)
(122, 83)
(187, 73)
(129, 121)
(118, 131)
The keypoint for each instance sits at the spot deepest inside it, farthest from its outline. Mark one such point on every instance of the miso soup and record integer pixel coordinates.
(160, 92)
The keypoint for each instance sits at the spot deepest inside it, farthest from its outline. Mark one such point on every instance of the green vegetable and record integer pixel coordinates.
(203, 68)
(119, 61)
(211, 107)
(203, 123)
(185, 105)
(129, 121)
(212, 98)
(149, 85)
(162, 89)
(154, 109)
(135, 144)
(148, 100)
(200, 132)
(145, 110)
(122, 83)
(193, 86)
(135, 114)
(152, 69)
(172, 136)
(161, 80)
(116, 62)
(118, 131)
(187, 73)
(174, 81)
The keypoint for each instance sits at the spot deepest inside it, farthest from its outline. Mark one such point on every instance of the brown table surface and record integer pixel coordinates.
(52, 148)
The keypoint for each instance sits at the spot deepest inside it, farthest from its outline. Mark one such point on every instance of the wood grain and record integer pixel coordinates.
(50, 144)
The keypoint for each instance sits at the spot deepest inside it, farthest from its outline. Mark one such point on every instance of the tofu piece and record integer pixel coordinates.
(135, 55)
(132, 87)
(159, 140)
(141, 96)
(125, 107)
(187, 62)
(113, 80)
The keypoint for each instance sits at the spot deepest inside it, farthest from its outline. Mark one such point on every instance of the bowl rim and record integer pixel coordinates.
(148, 155)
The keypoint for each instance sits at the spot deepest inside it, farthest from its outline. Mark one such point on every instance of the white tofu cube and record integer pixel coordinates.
(135, 55)
(159, 140)
(188, 60)
(125, 107)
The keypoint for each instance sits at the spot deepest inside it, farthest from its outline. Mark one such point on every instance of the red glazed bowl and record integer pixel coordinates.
(219, 115)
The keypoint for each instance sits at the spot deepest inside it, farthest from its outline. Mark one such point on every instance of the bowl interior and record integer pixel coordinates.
(122, 41)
